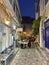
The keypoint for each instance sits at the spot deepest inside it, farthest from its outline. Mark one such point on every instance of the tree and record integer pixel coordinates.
(35, 26)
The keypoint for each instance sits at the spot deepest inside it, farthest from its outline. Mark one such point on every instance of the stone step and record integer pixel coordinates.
(44, 53)
(41, 57)
(40, 54)
(47, 50)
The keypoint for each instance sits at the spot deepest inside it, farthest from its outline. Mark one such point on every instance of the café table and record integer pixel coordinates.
(23, 43)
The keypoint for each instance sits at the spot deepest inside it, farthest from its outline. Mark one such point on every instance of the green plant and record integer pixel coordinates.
(35, 26)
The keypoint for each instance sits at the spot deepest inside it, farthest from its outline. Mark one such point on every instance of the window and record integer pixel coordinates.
(14, 6)
(37, 5)
(46, 2)
(10, 1)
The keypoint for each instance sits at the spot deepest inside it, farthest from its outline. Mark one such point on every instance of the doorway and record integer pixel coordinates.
(47, 33)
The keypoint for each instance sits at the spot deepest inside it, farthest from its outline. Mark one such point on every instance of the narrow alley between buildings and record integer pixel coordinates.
(24, 32)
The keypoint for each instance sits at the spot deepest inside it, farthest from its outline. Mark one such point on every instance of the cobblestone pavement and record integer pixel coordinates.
(28, 57)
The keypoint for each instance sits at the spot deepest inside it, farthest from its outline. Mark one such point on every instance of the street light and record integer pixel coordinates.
(7, 21)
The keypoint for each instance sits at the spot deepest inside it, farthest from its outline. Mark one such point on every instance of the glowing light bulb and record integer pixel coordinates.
(7, 22)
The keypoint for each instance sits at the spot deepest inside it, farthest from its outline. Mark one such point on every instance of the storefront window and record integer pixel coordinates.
(5, 37)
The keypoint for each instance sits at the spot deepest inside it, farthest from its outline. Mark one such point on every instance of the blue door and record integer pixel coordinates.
(47, 37)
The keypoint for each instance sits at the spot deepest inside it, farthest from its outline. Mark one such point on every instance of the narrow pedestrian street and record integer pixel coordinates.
(30, 56)
(24, 32)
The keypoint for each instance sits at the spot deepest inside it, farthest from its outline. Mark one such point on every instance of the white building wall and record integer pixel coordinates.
(47, 10)
(10, 7)
(13, 13)
(42, 7)
(44, 12)
(37, 15)
(7, 14)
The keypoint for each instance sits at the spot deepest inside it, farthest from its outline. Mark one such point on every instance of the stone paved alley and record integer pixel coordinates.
(31, 56)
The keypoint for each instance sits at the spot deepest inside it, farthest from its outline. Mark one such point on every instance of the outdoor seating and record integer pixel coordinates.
(29, 44)
(23, 44)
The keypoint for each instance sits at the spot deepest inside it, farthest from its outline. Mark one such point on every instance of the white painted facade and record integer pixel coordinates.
(42, 7)
(47, 10)
(44, 12)
(9, 21)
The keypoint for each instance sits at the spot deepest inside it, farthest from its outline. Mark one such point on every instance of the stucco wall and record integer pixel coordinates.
(47, 10)
(42, 7)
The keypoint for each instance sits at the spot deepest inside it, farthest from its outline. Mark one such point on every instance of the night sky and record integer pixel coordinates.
(27, 8)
